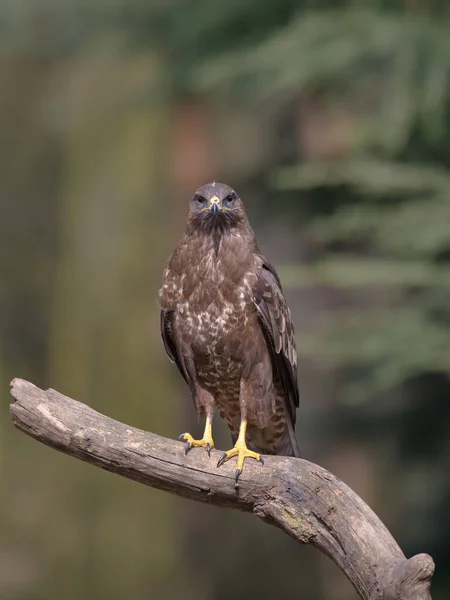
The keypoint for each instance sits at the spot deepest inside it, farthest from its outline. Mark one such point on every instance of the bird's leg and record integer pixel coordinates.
(241, 451)
(206, 441)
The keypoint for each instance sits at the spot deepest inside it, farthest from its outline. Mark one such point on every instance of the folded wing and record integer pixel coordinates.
(278, 328)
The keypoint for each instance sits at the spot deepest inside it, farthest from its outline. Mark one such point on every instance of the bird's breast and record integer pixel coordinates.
(214, 321)
(217, 324)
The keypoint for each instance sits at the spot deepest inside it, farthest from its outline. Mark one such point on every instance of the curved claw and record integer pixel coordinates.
(238, 472)
(222, 459)
(190, 443)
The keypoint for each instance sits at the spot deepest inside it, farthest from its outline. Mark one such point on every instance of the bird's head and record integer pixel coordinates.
(216, 207)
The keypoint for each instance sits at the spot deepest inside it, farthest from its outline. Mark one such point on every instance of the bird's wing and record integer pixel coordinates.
(172, 348)
(278, 328)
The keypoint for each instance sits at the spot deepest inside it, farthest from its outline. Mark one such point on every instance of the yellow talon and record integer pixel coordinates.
(206, 442)
(241, 451)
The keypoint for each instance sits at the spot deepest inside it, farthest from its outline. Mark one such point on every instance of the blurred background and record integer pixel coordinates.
(332, 121)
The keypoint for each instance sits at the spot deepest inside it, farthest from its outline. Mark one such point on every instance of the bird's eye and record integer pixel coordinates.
(229, 199)
(199, 199)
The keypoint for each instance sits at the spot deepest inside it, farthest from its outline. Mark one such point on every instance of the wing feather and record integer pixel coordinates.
(172, 350)
(278, 328)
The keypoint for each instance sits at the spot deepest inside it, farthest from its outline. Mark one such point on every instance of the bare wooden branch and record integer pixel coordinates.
(307, 502)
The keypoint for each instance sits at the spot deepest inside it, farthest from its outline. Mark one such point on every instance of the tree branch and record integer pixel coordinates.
(301, 498)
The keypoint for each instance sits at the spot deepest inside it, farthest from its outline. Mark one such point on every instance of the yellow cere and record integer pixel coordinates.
(213, 200)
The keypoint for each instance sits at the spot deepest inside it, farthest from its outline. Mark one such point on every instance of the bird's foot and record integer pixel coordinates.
(206, 442)
(242, 452)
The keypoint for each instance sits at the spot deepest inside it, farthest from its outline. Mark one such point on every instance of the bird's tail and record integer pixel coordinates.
(289, 446)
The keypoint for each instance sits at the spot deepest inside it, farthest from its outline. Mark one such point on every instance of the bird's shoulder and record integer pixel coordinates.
(175, 272)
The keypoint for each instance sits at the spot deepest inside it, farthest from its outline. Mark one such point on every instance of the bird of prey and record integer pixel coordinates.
(226, 325)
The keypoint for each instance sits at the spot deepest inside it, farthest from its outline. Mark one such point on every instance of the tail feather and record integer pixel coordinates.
(290, 444)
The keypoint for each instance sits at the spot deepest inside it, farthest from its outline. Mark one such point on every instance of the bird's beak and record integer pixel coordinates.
(215, 205)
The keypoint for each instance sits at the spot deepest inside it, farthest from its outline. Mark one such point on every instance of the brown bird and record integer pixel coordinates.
(226, 325)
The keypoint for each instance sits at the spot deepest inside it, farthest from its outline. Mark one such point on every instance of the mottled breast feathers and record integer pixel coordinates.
(276, 324)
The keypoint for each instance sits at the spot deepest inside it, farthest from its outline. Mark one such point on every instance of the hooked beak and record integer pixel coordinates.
(215, 205)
